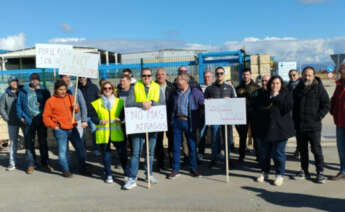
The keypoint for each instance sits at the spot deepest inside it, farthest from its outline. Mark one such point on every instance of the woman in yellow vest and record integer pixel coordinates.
(107, 114)
(145, 94)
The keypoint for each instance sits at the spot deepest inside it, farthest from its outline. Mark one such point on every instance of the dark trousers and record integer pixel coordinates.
(159, 151)
(314, 138)
(242, 132)
(122, 151)
(29, 139)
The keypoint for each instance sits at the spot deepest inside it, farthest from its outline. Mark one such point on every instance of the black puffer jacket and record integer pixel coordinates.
(272, 119)
(311, 104)
(219, 91)
(90, 93)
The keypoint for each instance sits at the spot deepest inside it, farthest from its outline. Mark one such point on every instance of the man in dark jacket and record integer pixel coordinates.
(244, 90)
(294, 80)
(192, 82)
(8, 112)
(311, 104)
(219, 90)
(30, 104)
(90, 94)
(186, 117)
(167, 89)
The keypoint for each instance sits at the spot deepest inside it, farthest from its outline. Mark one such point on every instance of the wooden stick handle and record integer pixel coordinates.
(75, 99)
(226, 154)
(148, 161)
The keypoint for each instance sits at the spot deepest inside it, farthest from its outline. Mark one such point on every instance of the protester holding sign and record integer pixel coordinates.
(30, 104)
(186, 117)
(107, 113)
(275, 127)
(57, 115)
(144, 94)
(81, 117)
(219, 89)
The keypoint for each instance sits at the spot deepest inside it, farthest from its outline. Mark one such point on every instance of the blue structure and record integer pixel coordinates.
(219, 58)
(200, 62)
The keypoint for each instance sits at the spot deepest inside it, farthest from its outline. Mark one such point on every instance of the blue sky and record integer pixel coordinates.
(145, 25)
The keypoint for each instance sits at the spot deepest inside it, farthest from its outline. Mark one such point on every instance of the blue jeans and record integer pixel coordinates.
(180, 126)
(341, 147)
(13, 131)
(217, 130)
(122, 151)
(138, 141)
(276, 150)
(62, 137)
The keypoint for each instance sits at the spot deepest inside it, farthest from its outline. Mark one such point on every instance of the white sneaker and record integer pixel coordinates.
(130, 184)
(279, 180)
(262, 177)
(153, 180)
(109, 179)
(10, 168)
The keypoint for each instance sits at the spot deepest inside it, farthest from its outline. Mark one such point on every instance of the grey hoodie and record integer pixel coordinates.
(8, 107)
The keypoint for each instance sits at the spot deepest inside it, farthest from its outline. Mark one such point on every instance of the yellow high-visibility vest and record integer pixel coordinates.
(110, 131)
(140, 95)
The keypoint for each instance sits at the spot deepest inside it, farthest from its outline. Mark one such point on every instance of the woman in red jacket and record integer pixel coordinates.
(338, 112)
(57, 115)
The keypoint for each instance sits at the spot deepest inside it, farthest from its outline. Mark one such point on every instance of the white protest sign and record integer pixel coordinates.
(49, 55)
(79, 64)
(225, 111)
(284, 68)
(139, 120)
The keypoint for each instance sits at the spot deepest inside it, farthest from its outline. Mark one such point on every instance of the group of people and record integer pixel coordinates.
(275, 113)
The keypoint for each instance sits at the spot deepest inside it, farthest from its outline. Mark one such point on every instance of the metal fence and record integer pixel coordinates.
(196, 65)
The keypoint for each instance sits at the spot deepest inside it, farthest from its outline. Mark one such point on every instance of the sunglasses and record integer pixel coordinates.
(146, 75)
(219, 73)
(292, 75)
(107, 88)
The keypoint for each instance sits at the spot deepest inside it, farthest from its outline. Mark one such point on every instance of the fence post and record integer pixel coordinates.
(141, 64)
(201, 68)
(44, 77)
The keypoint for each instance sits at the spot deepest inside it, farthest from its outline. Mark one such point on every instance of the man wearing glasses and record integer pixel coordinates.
(219, 89)
(294, 80)
(145, 94)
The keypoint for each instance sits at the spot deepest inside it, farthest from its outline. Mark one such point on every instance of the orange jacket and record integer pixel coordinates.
(58, 112)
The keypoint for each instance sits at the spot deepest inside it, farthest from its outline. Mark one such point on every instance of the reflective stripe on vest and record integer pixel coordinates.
(140, 94)
(109, 128)
(112, 131)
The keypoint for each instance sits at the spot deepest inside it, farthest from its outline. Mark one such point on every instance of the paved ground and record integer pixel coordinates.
(51, 192)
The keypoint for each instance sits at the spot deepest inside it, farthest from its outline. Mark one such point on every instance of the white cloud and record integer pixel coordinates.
(13, 42)
(282, 48)
(311, 1)
(66, 40)
(66, 28)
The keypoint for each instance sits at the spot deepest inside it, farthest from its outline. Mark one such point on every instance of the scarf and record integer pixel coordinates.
(108, 101)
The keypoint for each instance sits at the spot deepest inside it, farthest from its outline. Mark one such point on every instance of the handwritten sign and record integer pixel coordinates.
(142, 121)
(49, 55)
(79, 64)
(225, 111)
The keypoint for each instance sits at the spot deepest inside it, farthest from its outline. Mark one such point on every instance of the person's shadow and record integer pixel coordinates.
(297, 200)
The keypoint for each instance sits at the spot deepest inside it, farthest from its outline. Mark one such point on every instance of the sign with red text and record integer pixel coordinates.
(49, 55)
(225, 111)
(79, 64)
(139, 120)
